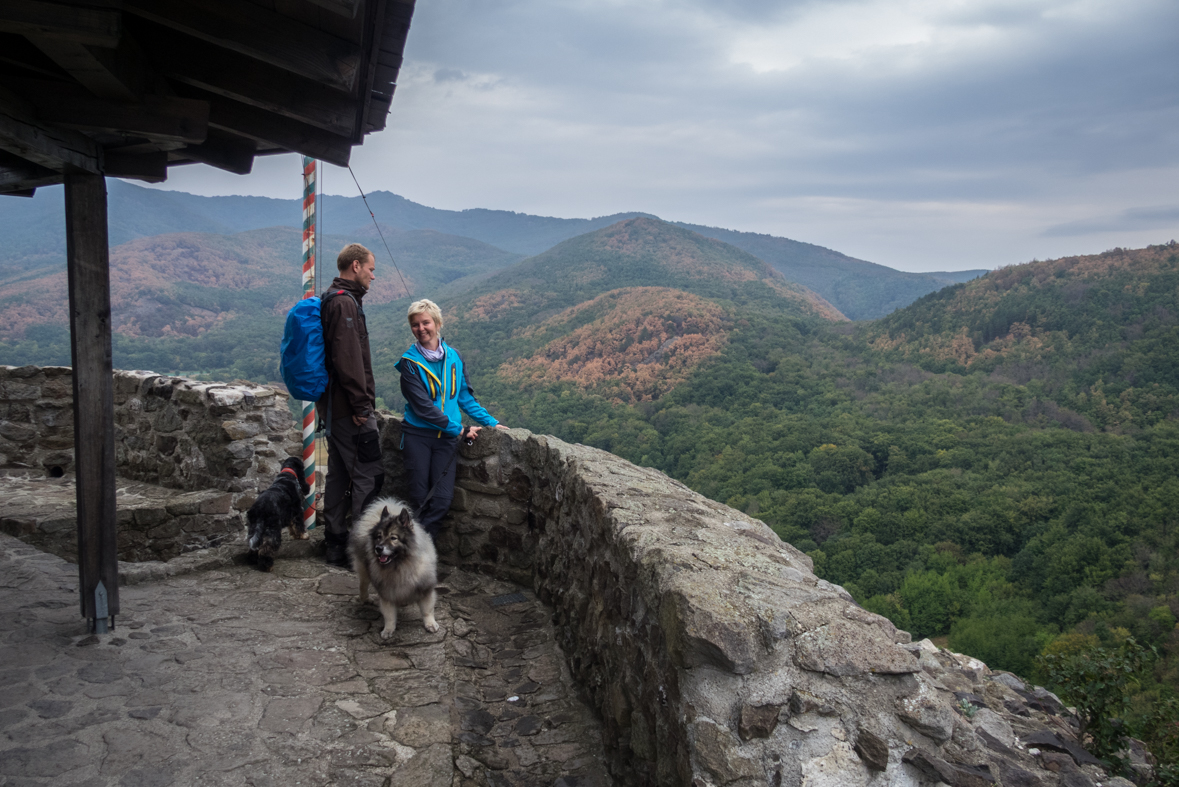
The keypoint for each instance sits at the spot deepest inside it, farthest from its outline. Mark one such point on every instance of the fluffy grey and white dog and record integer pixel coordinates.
(392, 552)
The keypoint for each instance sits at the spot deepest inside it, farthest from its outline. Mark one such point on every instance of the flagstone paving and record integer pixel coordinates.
(229, 676)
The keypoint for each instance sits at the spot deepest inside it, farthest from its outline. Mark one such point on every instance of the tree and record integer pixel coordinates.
(1100, 682)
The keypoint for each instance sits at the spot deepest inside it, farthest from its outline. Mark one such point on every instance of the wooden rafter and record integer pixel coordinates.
(262, 85)
(274, 131)
(120, 73)
(62, 21)
(179, 119)
(59, 149)
(259, 34)
(225, 151)
(150, 166)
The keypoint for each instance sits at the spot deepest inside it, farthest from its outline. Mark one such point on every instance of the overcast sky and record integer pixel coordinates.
(920, 134)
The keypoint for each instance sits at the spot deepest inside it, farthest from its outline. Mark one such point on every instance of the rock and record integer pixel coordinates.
(239, 430)
(987, 722)
(422, 726)
(826, 640)
(1014, 776)
(1072, 776)
(1009, 680)
(718, 752)
(927, 717)
(432, 767)
(702, 632)
(936, 769)
(758, 721)
(289, 715)
(839, 768)
(872, 750)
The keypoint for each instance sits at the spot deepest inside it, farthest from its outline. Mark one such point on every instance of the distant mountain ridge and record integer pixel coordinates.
(861, 290)
(32, 231)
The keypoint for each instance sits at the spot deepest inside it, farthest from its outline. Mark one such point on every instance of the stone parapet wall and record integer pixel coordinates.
(171, 431)
(191, 435)
(199, 452)
(37, 418)
(710, 649)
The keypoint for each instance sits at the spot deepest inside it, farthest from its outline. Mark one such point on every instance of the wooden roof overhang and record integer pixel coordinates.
(128, 88)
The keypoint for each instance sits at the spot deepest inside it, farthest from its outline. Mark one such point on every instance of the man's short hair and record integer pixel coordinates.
(426, 306)
(353, 251)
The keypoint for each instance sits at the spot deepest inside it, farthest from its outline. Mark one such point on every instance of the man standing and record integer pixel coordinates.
(355, 472)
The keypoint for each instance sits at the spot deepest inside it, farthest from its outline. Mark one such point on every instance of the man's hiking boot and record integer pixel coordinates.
(337, 553)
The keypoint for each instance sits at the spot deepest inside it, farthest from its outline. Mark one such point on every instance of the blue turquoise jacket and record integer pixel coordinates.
(433, 404)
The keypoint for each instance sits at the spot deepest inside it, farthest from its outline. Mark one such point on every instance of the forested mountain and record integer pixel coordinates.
(33, 237)
(214, 304)
(626, 311)
(996, 463)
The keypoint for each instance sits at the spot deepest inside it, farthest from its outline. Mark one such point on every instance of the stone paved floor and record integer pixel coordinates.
(234, 677)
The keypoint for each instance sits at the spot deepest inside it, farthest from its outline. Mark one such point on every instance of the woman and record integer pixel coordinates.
(435, 387)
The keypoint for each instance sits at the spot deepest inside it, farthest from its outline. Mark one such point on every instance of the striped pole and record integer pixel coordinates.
(309, 291)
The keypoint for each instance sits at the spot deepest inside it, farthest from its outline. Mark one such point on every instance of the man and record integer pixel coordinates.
(346, 407)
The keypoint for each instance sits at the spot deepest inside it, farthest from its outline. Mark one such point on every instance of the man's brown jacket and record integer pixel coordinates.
(349, 364)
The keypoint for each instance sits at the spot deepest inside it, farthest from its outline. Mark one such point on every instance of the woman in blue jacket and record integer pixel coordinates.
(437, 393)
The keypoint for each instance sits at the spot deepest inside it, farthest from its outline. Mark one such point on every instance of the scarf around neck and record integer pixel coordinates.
(432, 355)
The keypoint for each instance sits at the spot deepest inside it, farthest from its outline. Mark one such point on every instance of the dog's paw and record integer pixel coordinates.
(387, 632)
(431, 625)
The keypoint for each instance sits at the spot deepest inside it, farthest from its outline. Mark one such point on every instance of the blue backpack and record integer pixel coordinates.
(303, 363)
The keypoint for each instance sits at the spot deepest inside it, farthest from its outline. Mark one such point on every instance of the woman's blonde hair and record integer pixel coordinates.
(426, 306)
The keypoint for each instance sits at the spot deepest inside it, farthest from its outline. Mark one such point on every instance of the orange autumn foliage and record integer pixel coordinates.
(643, 343)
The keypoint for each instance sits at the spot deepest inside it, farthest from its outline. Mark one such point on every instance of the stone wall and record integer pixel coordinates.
(713, 653)
(215, 445)
(191, 435)
(172, 431)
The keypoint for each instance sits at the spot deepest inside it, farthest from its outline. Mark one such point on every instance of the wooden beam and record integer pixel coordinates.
(65, 22)
(225, 151)
(19, 51)
(378, 111)
(374, 25)
(345, 8)
(20, 178)
(179, 119)
(21, 193)
(88, 272)
(148, 167)
(249, 81)
(274, 131)
(120, 73)
(261, 34)
(50, 146)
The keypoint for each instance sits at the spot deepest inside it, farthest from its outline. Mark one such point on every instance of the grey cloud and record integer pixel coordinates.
(583, 107)
(1157, 218)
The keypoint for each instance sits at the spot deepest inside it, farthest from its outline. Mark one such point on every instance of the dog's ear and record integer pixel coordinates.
(385, 512)
(404, 519)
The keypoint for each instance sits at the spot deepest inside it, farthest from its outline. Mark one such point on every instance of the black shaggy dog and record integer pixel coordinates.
(279, 506)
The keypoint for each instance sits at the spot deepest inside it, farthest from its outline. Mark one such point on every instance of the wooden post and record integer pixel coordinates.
(88, 267)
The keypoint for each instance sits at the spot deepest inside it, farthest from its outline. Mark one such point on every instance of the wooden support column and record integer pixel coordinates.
(87, 257)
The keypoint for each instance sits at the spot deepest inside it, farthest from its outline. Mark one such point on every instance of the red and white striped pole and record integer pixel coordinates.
(309, 291)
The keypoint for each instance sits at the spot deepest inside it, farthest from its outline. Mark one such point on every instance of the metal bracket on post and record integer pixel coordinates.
(102, 617)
